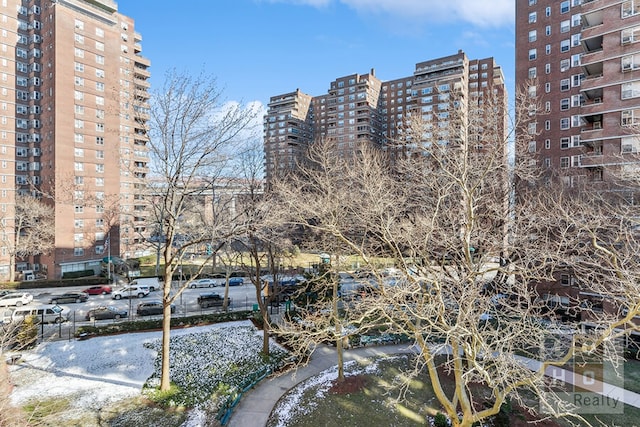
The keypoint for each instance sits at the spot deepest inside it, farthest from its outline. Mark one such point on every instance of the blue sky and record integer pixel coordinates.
(260, 48)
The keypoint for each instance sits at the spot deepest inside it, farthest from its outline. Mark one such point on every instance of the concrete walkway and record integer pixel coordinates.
(256, 405)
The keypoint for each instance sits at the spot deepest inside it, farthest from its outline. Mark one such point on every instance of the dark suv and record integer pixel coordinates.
(150, 308)
(211, 300)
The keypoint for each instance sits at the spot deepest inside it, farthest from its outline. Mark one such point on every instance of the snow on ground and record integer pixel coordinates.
(95, 372)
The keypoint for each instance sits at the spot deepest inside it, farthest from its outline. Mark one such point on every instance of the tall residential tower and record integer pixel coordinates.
(361, 108)
(73, 112)
(581, 60)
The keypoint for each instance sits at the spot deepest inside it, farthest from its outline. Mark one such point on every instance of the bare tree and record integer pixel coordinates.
(472, 263)
(191, 129)
(30, 232)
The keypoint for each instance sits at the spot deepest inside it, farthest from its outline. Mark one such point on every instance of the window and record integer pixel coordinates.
(99, 46)
(564, 143)
(547, 68)
(565, 84)
(576, 100)
(99, 32)
(99, 127)
(78, 237)
(564, 6)
(576, 60)
(547, 125)
(547, 49)
(100, 86)
(533, 35)
(630, 35)
(565, 45)
(547, 144)
(630, 144)
(79, 38)
(79, 109)
(547, 30)
(532, 2)
(100, 59)
(79, 96)
(79, 24)
(533, 73)
(630, 117)
(533, 17)
(630, 8)
(99, 100)
(78, 137)
(78, 166)
(576, 121)
(532, 54)
(79, 124)
(99, 154)
(79, 152)
(631, 62)
(564, 162)
(100, 73)
(576, 80)
(576, 20)
(547, 87)
(79, 53)
(565, 26)
(100, 168)
(564, 104)
(79, 81)
(564, 65)
(547, 11)
(630, 90)
(99, 140)
(79, 67)
(79, 180)
(78, 209)
(78, 251)
(78, 223)
(564, 123)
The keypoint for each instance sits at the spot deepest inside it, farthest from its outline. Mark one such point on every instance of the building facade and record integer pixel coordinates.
(361, 108)
(581, 60)
(73, 107)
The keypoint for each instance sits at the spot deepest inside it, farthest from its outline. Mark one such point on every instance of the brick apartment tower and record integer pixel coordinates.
(581, 59)
(73, 109)
(362, 108)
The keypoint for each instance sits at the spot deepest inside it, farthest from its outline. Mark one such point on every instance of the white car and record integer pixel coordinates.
(131, 291)
(203, 283)
(15, 298)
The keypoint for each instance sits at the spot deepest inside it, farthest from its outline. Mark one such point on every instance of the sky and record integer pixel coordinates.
(256, 49)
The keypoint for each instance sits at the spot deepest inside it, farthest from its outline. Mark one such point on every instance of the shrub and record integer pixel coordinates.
(441, 420)
(145, 325)
(27, 334)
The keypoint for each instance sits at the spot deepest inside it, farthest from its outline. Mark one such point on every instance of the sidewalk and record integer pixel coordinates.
(256, 405)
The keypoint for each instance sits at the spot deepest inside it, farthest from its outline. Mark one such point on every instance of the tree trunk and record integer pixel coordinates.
(165, 375)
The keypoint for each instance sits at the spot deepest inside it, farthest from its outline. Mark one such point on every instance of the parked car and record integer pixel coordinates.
(15, 298)
(131, 291)
(236, 281)
(68, 298)
(149, 308)
(203, 283)
(42, 313)
(98, 290)
(102, 313)
(212, 299)
(153, 283)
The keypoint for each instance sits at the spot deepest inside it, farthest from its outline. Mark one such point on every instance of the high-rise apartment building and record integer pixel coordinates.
(581, 60)
(362, 108)
(73, 109)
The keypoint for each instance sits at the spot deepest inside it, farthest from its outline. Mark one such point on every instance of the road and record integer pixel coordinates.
(242, 298)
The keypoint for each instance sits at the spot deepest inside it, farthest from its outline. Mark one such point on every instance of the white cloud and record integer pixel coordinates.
(496, 13)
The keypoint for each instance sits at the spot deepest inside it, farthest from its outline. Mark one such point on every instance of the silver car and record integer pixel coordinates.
(203, 283)
(15, 298)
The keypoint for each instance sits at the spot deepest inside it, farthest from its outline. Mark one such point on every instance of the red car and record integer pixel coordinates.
(98, 290)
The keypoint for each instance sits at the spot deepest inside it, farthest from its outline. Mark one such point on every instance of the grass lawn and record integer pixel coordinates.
(369, 398)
